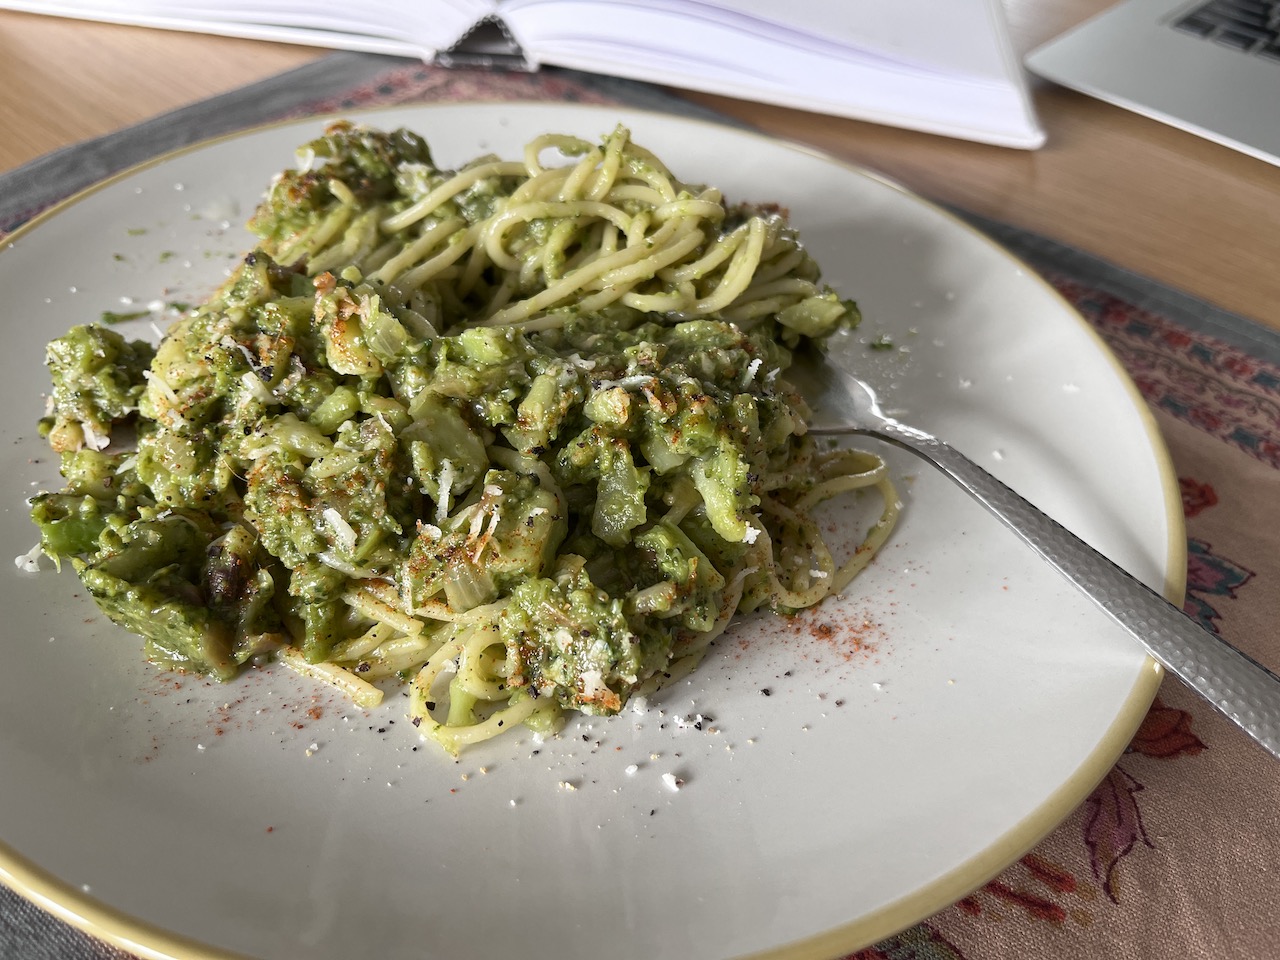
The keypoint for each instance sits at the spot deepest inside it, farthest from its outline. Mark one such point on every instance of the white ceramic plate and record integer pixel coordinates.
(916, 736)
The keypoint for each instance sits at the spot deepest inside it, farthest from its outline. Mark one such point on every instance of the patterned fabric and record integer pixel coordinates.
(1175, 853)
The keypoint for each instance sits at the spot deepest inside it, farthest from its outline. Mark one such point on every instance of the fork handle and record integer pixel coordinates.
(1238, 686)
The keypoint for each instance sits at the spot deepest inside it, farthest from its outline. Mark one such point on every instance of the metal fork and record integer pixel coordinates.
(1238, 686)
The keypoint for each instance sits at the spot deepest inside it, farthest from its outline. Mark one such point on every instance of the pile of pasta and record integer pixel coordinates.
(517, 434)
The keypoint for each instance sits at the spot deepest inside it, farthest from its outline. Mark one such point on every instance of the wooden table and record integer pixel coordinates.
(1166, 204)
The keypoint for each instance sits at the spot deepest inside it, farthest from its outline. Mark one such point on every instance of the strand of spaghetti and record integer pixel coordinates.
(618, 282)
(378, 610)
(743, 313)
(608, 239)
(484, 613)
(848, 484)
(785, 287)
(869, 472)
(359, 646)
(503, 293)
(461, 709)
(671, 302)
(846, 459)
(477, 262)
(781, 265)
(647, 156)
(384, 591)
(473, 680)
(739, 272)
(472, 659)
(720, 251)
(555, 248)
(430, 238)
(529, 255)
(461, 652)
(493, 665)
(689, 207)
(563, 142)
(379, 255)
(684, 239)
(396, 657)
(607, 173)
(640, 193)
(341, 191)
(457, 245)
(647, 168)
(450, 189)
(637, 231)
(358, 241)
(543, 186)
(524, 711)
(497, 227)
(568, 285)
(585, 168)
(527, 245)
(588, 248)
(541, 322)
(816, 552)
(435, 609)
(445, 657)
(317, 237)
(874, 539)
(364, 694)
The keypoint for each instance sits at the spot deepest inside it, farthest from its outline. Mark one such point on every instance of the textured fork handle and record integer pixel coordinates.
(1238, 686)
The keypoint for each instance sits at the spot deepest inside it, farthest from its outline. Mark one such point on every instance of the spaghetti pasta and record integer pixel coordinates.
(516, 435)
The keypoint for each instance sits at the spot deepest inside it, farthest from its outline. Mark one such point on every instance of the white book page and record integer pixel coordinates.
(952, 36)
(963, 37)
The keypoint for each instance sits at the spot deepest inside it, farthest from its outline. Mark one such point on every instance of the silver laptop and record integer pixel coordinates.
(1209, 66)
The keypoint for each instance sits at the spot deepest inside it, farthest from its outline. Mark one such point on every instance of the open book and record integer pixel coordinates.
(945, 68)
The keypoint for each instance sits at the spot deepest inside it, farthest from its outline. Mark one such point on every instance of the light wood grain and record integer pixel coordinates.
(62, 81)
(1150, 198)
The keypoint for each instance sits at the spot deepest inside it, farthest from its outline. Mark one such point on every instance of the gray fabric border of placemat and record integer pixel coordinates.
(28, 933)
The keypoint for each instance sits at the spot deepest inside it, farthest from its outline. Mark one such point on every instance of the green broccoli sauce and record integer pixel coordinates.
(306, 429)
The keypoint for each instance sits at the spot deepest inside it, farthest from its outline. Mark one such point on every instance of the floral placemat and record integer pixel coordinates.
(1175, 853)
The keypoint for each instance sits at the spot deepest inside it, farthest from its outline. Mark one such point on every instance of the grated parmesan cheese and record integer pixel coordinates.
(93, 439)
(444, 488)
(256, 388)
(29, 562)
(342, 531)
(592, 683)
(161, 385)
(329, 559)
